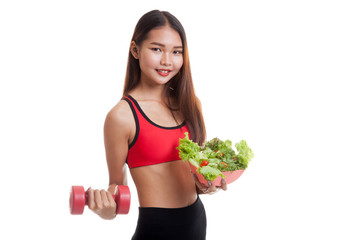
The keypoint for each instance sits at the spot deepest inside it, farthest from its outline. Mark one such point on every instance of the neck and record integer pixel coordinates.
(148, 92)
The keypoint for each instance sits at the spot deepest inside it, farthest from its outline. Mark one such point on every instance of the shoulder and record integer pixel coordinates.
(120, 117)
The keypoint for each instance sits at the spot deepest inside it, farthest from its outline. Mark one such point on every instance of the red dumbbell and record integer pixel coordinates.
(78, 199)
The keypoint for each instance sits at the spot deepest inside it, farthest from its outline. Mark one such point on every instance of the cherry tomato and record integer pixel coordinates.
(204, 163)
(219, 154)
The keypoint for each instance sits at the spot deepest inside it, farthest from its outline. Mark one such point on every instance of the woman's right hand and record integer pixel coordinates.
(102, 203)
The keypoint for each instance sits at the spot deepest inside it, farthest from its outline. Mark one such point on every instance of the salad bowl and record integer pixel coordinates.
(216, 159)
(230, 176)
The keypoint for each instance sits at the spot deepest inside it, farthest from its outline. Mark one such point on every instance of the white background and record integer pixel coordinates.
(281, 74)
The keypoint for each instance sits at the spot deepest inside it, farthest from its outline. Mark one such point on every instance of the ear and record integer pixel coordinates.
(134, 49)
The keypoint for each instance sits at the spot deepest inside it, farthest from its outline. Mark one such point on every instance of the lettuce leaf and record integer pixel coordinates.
(245, 154)
(210, 173)
(189, 151)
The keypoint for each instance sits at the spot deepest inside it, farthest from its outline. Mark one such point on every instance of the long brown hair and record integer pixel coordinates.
(180, 88)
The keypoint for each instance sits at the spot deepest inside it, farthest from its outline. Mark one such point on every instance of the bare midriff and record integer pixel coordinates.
(165, 185)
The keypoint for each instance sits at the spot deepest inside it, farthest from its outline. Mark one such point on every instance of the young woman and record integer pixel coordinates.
(143, 130)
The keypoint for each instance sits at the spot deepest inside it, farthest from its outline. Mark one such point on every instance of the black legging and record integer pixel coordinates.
(188, 223)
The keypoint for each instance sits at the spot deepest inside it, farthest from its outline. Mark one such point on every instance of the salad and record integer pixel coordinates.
(215, 157)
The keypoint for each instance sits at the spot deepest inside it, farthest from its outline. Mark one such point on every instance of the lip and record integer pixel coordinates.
(163, 72)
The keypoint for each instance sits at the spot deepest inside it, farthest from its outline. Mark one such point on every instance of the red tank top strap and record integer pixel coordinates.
(135, 113)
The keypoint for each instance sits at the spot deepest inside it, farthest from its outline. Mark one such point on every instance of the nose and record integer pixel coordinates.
(165, 60)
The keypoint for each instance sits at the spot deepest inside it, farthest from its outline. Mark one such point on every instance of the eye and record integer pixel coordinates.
(176, 52)
(156, 49)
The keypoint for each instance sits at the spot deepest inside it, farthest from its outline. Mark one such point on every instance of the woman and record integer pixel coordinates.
(143, 130)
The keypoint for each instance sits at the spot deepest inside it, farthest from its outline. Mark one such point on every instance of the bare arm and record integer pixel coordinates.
(118, 129)
(117, 134)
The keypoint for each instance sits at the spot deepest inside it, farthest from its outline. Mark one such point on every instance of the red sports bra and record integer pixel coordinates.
(152, 144)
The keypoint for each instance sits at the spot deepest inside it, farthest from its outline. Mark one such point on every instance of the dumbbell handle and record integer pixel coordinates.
(87, 198)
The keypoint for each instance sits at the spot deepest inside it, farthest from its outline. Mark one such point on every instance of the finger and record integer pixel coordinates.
(201, 186)
(111, 199)
(98, 201)
(223, 184)
(91, 201)
(212, 187)
(104, 198)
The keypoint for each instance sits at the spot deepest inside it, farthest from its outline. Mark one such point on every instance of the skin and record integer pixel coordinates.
(166, 185)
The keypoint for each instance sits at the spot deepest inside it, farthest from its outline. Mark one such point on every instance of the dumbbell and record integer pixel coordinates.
(78, 199)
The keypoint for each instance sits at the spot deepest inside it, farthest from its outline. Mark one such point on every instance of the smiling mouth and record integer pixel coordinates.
(163, 72)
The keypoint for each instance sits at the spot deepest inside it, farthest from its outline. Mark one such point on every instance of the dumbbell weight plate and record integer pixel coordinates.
(122, 199)
(77, 200)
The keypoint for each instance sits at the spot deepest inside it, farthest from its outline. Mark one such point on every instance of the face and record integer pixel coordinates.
(160, 55)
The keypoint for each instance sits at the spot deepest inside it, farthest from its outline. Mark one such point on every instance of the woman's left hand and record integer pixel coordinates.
(210, 188)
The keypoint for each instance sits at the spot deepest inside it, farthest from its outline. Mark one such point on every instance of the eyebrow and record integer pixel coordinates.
(162, 45)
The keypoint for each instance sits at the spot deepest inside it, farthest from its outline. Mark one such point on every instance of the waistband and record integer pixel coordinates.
(171, 216)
